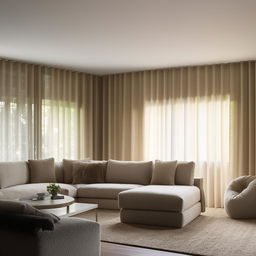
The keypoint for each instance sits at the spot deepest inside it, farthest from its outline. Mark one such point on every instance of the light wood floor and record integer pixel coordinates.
(111, 249)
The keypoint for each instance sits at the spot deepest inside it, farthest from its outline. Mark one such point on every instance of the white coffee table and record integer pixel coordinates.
(62, 207)
(73, 209)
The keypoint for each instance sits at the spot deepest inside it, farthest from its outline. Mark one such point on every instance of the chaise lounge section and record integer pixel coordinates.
(157, 205)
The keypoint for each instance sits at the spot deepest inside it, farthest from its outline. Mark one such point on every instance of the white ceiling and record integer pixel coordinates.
(110, 36)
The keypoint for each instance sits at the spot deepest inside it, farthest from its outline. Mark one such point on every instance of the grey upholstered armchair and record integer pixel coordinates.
(70, 237)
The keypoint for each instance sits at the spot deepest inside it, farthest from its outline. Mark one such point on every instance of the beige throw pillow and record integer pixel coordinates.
(164, 173)
(185, 173)
(88, 173)
(68, 169)
(42, 171)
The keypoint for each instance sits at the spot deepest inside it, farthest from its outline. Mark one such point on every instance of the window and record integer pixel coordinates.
(188, 129)
(58, 129)
(16, 130)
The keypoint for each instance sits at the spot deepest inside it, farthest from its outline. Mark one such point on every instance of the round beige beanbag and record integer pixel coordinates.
(240, 198)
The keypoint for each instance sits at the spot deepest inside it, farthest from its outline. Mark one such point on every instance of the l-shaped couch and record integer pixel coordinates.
(126, 187)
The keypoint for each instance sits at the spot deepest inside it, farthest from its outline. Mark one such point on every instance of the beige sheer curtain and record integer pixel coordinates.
(123, 129)
(68, 110)
(16, 111)
(48, 112)
(205, 114)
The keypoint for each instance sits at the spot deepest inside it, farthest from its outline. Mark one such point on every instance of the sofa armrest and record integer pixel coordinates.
(25, 222)
(198, 182)
(73, 236)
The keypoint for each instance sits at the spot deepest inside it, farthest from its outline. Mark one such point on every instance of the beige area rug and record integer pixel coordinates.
(212, 233)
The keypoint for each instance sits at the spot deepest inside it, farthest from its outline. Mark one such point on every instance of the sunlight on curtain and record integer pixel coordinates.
(59, 130)
(16, 112)
(204, 114)
(185, 130)
(68, 113)
(48, 112)
(189, 129)
(61, 94)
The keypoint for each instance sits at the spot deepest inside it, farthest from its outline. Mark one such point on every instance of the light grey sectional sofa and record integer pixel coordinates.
(130, 178)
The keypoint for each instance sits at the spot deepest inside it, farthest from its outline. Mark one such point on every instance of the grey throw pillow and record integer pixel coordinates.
(19, 207)
(88, 173)
(164, 173)
(42, 171)
(25, 223)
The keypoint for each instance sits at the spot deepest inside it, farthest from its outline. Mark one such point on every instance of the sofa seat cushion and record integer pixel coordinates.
(27, 190)
(103, 190)
(160, 198)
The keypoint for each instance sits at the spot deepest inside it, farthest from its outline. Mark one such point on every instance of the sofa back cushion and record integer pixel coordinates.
(59, 172)
(68, 169)
(185, 173)
(129, 172)
(88, 173)
(42, 171)
(164, 173)
(13, 173)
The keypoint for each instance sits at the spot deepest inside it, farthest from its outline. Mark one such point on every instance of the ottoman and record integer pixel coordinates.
(240, 198)
(160, 205)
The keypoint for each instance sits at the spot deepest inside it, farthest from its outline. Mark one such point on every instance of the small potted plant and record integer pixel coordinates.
(53, 190)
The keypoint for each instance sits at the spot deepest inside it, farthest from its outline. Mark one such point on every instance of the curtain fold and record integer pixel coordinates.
(48, 112)
(204, 114)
